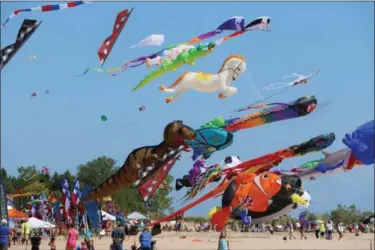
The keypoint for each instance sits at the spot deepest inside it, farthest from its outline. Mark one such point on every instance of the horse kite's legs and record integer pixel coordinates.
(228, 91)
(177, 94)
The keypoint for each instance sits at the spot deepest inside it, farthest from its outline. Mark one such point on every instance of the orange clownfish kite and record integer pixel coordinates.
(247, 192)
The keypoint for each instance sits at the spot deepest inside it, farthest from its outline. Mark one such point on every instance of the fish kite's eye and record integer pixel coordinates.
(288, 187)
(265, 176)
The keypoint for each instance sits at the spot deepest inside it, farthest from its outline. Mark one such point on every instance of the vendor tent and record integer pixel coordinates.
(36, 223)
(136, 216)
(107, 216)
(15, 214)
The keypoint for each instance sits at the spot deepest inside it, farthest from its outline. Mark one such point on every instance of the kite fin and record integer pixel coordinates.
(220, 218)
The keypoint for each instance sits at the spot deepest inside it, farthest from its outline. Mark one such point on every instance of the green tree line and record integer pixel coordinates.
(93, 173)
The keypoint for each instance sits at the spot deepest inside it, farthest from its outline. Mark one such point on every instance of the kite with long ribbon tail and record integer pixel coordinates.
(109, 42)
(151, 40)
(259, 165)
(315, 144)
(360, 152)
(27, 29)
(232, 24)
(46, 8)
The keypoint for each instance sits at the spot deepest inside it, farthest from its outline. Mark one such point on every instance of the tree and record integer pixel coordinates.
(36, 188)
(96, 171)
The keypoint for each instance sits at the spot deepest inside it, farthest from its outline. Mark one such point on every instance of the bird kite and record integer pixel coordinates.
(300, 79)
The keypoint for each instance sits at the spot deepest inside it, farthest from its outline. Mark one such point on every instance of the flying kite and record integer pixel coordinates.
(231, 69)
(218, 134)
(31, 58)
(170, 53)
(33, 94)
(45, 8)
(300, 79)
(186, 57)
(210, 140)
(145, 161)
(282, 203)
(45, 170)
(142, 108)
(342, 160)
(259, 165)
(361, 142)
(109, 42)
(251, 192)
(103, 118)
(27, 29)
(233, 165)
(274, 112)
(151, 40)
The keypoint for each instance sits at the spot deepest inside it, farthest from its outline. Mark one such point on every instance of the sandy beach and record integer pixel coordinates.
(238, 241)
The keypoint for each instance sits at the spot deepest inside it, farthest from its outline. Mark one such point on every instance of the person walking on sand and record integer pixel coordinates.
(72, 238)
(340, 230)
(4, 234)
(36, 239)
(145, 239)
(118, 236)
(329, 229)
(291, 230)
(25, 228)
(322, 230)
(223, 242)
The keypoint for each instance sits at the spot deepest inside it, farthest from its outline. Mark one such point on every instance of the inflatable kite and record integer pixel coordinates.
(360, 152)
(210, 140)
(167, 54)
(145, 161)
(231, 69)
(252, 192)
(232, 165)
(300, 79)
(27, 29)
(186, 57)
(282, 203)
(151, 40)
(361, 143)
(273, 112)
(109, 42)
(258, 166)
(46, 8)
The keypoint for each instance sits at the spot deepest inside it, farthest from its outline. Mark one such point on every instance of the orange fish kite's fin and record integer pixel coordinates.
(220, 218)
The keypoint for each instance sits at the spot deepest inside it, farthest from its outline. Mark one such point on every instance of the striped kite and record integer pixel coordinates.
(45, 8)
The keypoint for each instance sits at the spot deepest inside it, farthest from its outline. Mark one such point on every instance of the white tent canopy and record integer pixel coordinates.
(107, 216)
(136, 216)
(36, 223)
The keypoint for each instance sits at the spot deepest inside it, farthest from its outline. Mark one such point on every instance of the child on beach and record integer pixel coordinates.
(223, 242)
(51, 244)
(340, 230)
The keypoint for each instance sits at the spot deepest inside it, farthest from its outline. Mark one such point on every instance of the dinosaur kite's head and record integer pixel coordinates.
(175, 133)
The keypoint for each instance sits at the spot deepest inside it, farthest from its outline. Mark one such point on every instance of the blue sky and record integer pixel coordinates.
(63, 129)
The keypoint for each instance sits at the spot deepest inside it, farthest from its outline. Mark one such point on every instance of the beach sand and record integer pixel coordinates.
(237, 241)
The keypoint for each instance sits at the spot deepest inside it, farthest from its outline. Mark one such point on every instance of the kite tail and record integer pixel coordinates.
(220, 218)
(276, 86)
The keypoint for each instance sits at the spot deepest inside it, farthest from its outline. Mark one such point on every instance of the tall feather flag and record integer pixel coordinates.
(3, 202)
(76, 194)
(27, 29)
(66, 198)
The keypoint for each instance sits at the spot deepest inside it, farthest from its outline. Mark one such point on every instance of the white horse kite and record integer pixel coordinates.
(232, 68)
